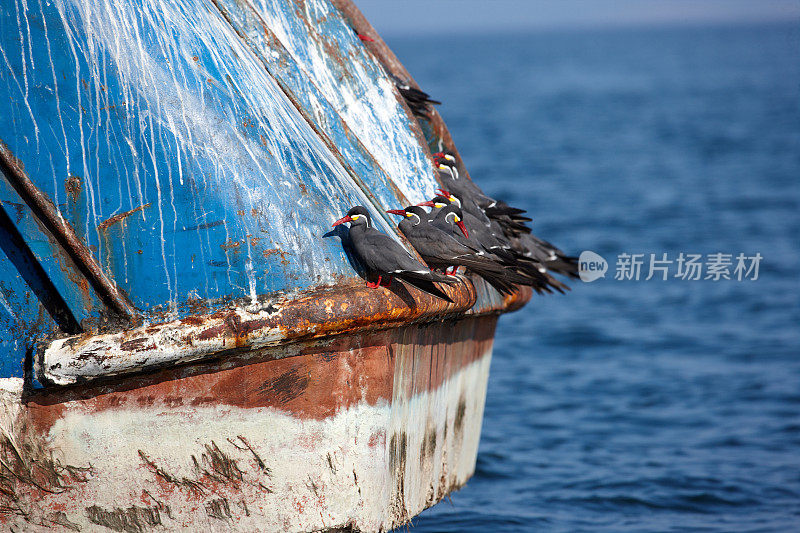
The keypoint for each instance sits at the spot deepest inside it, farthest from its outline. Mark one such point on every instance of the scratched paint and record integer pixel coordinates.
(312, 102)
(331, 54)
(167, 117)
(276, 446)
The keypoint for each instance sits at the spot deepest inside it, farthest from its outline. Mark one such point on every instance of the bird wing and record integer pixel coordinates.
(383, 254)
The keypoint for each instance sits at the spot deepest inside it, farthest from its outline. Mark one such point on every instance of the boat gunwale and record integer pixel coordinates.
(243, 326)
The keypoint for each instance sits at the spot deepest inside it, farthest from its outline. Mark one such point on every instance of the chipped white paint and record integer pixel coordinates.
(347, 470)
(11, 388)
(82, 357)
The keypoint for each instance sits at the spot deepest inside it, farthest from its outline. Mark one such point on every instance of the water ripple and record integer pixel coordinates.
(637, 406)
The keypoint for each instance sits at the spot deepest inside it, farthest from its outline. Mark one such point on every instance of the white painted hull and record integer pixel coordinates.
(407, 435)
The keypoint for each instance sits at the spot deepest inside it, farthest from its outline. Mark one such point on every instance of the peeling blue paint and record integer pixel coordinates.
(199, 157)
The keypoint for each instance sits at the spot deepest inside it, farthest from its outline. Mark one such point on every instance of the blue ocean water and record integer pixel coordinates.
(636, 405)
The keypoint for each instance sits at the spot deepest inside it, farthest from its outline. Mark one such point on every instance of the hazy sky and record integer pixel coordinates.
(423, 16)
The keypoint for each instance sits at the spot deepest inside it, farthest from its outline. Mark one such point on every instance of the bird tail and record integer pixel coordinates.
(557, 260)
(426, 285)
(566, 265)
(501, 208)
(501, 286)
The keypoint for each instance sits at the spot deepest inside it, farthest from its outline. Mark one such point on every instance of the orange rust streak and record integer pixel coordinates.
(121, 216)
(230, 245)
(64, 235)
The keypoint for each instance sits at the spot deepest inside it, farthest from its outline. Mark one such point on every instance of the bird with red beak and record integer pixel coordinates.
(385, 258)
(440, 250)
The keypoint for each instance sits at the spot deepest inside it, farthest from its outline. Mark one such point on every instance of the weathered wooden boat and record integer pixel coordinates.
(185, 343)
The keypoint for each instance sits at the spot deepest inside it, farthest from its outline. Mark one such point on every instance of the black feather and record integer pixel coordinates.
(425, 286)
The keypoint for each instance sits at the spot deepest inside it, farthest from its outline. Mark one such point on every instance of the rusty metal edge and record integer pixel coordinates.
(49, 217)
(314, 314)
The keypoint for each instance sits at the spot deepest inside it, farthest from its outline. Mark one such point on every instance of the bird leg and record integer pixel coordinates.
(451, 270)
(385, 283)
(374, 285)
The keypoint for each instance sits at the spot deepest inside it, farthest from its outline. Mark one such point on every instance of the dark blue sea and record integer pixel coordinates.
(636, 405)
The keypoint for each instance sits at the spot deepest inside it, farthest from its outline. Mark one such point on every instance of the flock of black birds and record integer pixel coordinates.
(466, 229)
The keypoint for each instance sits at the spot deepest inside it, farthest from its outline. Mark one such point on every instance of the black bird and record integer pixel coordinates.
(506, 224)
(523, 270)
(440, 249)
(497, 246)
(418, 101)
(385, 258)
(509, 219)
(483, 235)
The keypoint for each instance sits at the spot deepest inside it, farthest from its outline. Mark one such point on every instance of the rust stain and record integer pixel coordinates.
(300, 385)
(277, 251)
(138, 345)
(230, 245)
(121, 216)
(73, 185)
(64, 236)
(192, 321)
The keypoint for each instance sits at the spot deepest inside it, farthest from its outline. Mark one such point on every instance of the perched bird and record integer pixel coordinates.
(520, 260)
(440, 249)
(483, 235)
(384, 257)
(509, 219)
(418, 101)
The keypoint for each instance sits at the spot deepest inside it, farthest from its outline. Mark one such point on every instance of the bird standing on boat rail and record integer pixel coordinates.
(534, 263)
(507, 222)
(384, 257)
(440, 249)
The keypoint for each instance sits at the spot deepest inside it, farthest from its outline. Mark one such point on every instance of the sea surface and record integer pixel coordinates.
(636, 405)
